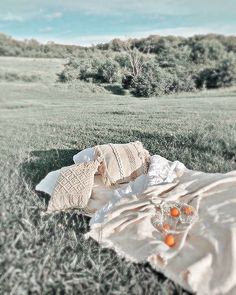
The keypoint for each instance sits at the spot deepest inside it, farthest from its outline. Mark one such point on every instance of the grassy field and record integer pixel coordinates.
(42, 124)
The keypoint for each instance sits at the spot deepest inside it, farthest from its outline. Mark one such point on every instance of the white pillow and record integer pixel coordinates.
(84, 156)
(48, 183)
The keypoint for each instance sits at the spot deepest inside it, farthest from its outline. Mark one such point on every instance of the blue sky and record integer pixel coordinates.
(88, 22)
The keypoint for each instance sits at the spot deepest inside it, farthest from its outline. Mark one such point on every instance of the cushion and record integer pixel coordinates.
(48, 183)
(85, 155)
(74, 186)
(122, 163)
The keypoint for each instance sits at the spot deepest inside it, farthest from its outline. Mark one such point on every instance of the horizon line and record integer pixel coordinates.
(93, 40)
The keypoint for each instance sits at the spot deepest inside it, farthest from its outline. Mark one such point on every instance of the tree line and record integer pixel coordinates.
(32, 48)
(157, 65)
(149, 66)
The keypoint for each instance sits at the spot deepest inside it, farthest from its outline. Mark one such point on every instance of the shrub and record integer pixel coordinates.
(152, 81)
(226, 72)
(63, 76)
(143, 87)
(182, 83)
(127, 81)
(222, 74)
(155, 80)
(83, 68)
(182, 79)
(88, 69)
(109, 71)
(179, 65)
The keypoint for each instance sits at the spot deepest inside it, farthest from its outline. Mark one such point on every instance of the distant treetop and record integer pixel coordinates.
(152, 44)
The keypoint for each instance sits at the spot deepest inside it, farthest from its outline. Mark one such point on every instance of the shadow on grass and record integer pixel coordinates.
(195, 144)
(116, 89)
(40, 163)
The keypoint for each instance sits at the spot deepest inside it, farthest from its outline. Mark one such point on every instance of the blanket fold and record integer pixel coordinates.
(204, 255)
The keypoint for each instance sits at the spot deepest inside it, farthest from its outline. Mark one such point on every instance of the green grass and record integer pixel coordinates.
(42, 124)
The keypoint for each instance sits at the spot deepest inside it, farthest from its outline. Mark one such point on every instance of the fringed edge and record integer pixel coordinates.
(143, 154)
(102, 169)
(110, 245)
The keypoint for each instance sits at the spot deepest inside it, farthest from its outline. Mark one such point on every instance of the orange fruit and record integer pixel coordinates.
(188, 210)
(174, 212)
(169, 240)
(166, 226)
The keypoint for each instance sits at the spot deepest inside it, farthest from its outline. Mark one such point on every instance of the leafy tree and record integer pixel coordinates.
(205, 51)
(222, 74)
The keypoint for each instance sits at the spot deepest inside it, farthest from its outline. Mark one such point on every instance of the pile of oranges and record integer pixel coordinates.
(174, 212)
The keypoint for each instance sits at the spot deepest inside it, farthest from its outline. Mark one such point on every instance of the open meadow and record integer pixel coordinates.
(43, 123)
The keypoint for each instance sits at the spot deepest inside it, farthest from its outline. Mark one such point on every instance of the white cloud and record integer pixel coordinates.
(154, 7)
(46, 30)
(54, 15)
(10, 17)
(207, 20)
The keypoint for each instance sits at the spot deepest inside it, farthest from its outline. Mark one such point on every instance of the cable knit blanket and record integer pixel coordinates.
(182, 222)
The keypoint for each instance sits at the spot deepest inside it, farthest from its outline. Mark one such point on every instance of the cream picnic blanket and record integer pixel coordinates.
(203, 259)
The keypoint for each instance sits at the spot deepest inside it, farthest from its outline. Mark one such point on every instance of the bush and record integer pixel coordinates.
(222, 74)
(179, 65)
(152, 81)
(183, 84)
(155, 80)
(88, 69)
(91, 67)
(83, 68)
(127, 81)
(63, 76)
(226, 72)
(182, 79)
(109, 71)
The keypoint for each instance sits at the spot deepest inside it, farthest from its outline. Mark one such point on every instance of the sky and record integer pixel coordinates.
(87, 22)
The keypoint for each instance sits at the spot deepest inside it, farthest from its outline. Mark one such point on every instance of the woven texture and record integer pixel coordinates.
(74, 186)
(122, 163)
